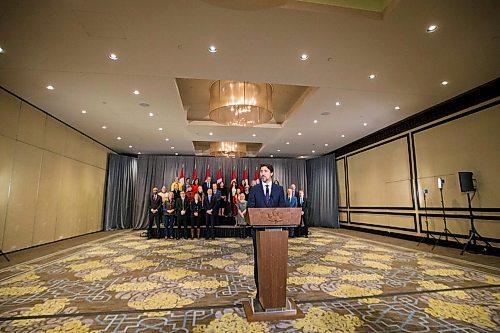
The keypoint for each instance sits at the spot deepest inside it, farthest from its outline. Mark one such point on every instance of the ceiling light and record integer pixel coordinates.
(272, 155)
(130, 146)
(238, 103)
(313, 151)
(287, 142)
(228, 149)
(444, 83)
(299, 133)
(254, 135)
(84, 111)
(160, 128)
(432, 28)
(371, 76)
(118, 138)
(50, 87)
(315, 121)
(172, 147)
(397, 108)
(278, 150)
(139, 153)
(167, 139)
(301, 156)
(151, 114)
(137, 92)
(113, 56)
(365, 124)
(103, 127)
(304, 57)
(212, 49)
(343, 136)
(326, 144)
(2, 50)
(176, 154)
(337, 103)
(210, 133)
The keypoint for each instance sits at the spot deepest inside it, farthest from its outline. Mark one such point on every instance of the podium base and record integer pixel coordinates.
(255, 312)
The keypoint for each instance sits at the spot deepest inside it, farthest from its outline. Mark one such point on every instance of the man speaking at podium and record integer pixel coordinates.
(264, 195)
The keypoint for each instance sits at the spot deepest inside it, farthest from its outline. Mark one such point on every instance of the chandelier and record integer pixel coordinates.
(228, 149)
(236, 103)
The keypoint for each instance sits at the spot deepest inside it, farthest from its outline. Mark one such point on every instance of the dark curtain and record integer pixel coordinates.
(159, 170)
(120, 191)
(323, 191)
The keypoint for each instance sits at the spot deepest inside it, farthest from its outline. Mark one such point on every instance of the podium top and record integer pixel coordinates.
(274, 217)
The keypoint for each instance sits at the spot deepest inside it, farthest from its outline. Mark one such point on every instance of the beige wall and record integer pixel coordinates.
(380, 177)
(51, 178)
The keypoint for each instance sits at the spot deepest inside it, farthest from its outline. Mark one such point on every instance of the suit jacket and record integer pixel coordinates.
(196, 207)
(179, 204)
(205, 187)
(304, 206)
(212, 204)
(291, 202)
(155, 204)
(257, 197)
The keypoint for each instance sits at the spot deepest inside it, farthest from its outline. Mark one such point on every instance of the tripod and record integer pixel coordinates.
(4, 255)
(446, 231)
(428, 235)
(473, 234)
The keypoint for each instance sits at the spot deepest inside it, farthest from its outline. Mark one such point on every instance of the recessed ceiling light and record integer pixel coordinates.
(103, 127)
(130, 146)
(2, 50)
(304, 57)
(371, 76)
(139, 153)
(137, 92)
(432, 28)
(337, 103)
(151, 114)
(113, 56)
(84, 111)
(160, 128)
(212, 49)
(50, 87)
(287, 142)
(313, 151)
(299, 133)
(172, 147)
(176, 154)
(118, 138)
(326, 144)
(397, 108)
(444, 83)
(210, 133)
(315, 121)
(301, 156)
(343, 136)
(167, 139)
(365, 124)
(278, 150)
(272, 155)
(254, 135)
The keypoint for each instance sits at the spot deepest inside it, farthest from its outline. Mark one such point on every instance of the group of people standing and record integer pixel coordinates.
(192, 204)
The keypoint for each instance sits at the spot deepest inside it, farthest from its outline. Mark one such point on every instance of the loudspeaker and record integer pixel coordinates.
(466, 182)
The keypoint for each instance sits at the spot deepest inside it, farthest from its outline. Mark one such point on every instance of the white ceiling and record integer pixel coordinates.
(67, 43)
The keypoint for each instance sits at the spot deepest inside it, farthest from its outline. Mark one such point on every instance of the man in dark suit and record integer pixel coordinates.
(264, 195)
(211, 207)
(207, 184)
(155, 201)
(181, 211)
(303, 203)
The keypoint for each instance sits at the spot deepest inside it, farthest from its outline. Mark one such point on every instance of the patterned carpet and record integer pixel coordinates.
(123, 283)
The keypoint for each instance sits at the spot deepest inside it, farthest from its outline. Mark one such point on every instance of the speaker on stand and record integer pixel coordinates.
(428, 236)
(467, 185)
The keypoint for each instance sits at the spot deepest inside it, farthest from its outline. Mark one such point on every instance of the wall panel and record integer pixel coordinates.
(7, 147)
(31, 126)
(341, 182)
(9, 114)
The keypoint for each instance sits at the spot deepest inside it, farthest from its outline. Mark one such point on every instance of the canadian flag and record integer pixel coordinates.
(233, 176)
(181, 177)
(245, 176)
(195, 174)
(219, 175)
(256, 176)
(207, 174)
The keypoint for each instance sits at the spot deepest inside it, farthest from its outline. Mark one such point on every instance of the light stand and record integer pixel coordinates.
(473, 234)
(446, 231)
(428, 235)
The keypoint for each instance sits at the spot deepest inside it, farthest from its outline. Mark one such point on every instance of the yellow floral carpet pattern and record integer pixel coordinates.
(128, 284)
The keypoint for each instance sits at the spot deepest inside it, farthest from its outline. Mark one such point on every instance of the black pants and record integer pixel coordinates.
(305, 228)
(182, 221)
(210, 225)
(154, 218)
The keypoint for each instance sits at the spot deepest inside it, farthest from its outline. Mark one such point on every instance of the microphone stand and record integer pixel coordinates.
(446, 231)
(428, 235)
(473, 234)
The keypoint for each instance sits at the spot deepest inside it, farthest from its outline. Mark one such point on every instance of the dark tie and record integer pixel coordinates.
(154, 198)
(267, 195)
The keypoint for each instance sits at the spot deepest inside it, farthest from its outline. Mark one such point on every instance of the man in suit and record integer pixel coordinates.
(294, 192)
(210, 206)
(264, 195)
(291, 201)
(207, 184)
(303, 203)
(155, 201)
(181, 210)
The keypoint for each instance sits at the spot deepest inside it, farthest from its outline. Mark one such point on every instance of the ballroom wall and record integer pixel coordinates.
(52, 178)
(381, 185)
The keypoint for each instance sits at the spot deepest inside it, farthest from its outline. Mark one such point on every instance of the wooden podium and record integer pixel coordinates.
(272, 262)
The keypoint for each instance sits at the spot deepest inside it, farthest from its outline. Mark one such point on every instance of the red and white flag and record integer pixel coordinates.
(181, 177)
(195, 174)
(207, 174)
(233, 176)
(256, 176)
(245, 175)
(219, 175)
